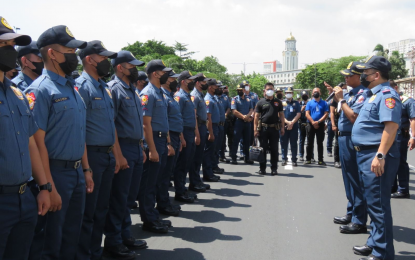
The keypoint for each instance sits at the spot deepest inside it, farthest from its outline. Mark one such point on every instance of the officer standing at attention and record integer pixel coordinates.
(100, 138)
(317, 111)
(201, 118)
(31, 63)
(212, 109)
(141, 82)
(227, 108)
(190, 137)
(19, 160)
(279, 94)
(302, 124)
(405, 140)
(354, 221)
(242, 109)
(268, 117)
(292, 113)
(229, 125)
(374, 136)
(156, 129)
(221, 134)
(60, 113)
(254, 98)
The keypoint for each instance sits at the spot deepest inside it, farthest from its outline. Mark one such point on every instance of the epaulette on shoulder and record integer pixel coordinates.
(405, 98)
(386, 91)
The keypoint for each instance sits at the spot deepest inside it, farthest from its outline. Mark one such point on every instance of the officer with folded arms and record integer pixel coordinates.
(19, 158)
(374, 136)
(31, 63)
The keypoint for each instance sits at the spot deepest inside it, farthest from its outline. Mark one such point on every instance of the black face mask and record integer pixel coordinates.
(145, 84)
(173, 86)
(240, 93)
(279, 96)
(205, 87)
(316, 95)
(103, 67)
(364, 81)
(38, 67)
(226, 93)
(8, 58)
(70, 63)
(133, 77)
(305, 97)
(191, 85)
(218, 91)
(164, 78)
(15, 73)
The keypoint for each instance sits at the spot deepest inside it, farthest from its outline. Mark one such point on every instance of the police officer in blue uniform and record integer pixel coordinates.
(254, 99)
(168, 162)
(221, 134)
(374, 136)
(100, 138)
(226, 102)
(156, 129)
(60, 111)
(197, 97)
(354, 221)
(213, 117)
(405, 140)
(31, 64)
(292, 113)
(19, 160)
(241, 106)
(142, 81)
(302, 122)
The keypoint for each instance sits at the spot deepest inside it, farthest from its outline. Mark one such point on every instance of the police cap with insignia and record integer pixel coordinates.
(245, 82)
(142, 75)
(126, 56)
(31, 48)
(240, 87)
(212, 82)
(278, 89)
(289, 89)
(376, 62)
(352, 69)
(185, 75)
(200, 77)
(219, 83)
(173, 74)
(96, 47)
(7, 33)
(156, 65)
(59, 35)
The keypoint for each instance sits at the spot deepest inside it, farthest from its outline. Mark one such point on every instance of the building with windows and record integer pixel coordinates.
(272, 66)
(290, 54)
(404, 47)
(282, 79)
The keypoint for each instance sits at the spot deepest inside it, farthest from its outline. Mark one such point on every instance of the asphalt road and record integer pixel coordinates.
(289, 216)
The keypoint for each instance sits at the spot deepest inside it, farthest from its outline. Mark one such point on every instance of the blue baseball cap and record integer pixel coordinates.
(7, 33)
(96, 47)
(31, 48)
(376, 62)
(156, 65)
(59, 35)
(142, 75)
(126, 56)
(173, 74)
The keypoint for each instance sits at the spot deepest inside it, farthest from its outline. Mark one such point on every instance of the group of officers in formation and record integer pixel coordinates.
(77, 154)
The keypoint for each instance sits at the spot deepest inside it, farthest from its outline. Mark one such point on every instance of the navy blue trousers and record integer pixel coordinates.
(241, 130)
(403, 170)
(167, 165)
(291, 137)
(377, 192)
(184, 162)
(18, 216)
(96, 205)
(330, 137)
(125, 186)
(198, 151)
(218, 145)
(148, 187)
(352, 180)
(209, 156)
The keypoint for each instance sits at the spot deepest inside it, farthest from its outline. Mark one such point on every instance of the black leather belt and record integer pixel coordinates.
(20, 189)
(365, 147)
(189, 128)
(65, 164)
(159, 134)
(268, 125)
(174, 133)
(131, 141)
(100, 149)
(201, 122)
(215, 123)
(222, 123)
(345, 133)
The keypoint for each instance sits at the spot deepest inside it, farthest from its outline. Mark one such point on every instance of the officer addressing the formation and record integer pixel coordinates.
(267, 124)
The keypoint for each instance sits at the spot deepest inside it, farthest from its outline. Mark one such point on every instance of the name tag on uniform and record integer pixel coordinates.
(1, 102)
(158, 99)
(60, 99)
(127, 98)
(97, 98)
(291, 109)
(317, 109)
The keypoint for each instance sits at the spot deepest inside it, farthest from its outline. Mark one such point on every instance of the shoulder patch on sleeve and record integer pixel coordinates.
(233, 102)
(390, 103)
(207, 102)
(31, 98)
(144, 100)
(192, 98)
(177, 98)
(360, 99)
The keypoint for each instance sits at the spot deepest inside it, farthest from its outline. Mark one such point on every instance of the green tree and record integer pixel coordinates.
(181, 47)
(154, 48)
(398, 66)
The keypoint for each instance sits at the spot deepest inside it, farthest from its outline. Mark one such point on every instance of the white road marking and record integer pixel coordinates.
(289, 165)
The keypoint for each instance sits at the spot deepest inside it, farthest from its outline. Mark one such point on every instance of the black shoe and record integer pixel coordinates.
(295, 164)
(321, 163)
(207, 186)
(210, 179)
(224, 160)
(400, 195)
(218, 170)
(177, 207)
(362, 250)
(120, 252)
(155, 227)
(284, 163)
(165, 222)
(371, 257)
(134, 206)
(346, 219)
(307, 162)
(184, 198)
(134, 243)
(274, 172)
(216, 176)
(337, 165)
(241, 157)
(249, 162)
(262, 172)
(169, 211)
(171, 184)
(191, 194)
(353, 228)
(329, 154)
(234, 162)
(197, 188)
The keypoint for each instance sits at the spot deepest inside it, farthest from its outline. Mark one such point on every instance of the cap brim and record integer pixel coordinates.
(174, 76)
(137, 62)
(167, 69)
(346, 72)
(20, 39)
(193, 77)
(76, 44)
(206, 79)
(109, 54)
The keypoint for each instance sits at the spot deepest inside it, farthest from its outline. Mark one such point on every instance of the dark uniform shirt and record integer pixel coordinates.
(17, 124)
(100, 127)
(221, 109)
(199, 103)
(303, 117)
(292, 109)
(59, 110)
(187, 108)
(128, 112)
(355, 99)
(173, 111)
(155, 106)
(241, 104)
(254, 98)
(268, 110)
(408, 111)
(22, 81)
(225, 102)
(212, 108)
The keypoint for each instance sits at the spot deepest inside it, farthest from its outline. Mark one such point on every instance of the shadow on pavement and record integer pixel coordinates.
(176, 254)
(404, 234)
(220, 203)
(295, 175)
(232, 193)
(206, 216)
(241, 174)
(405, 256)
(238, 182)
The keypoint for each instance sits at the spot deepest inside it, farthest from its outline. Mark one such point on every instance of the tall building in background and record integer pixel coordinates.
(290, 54)
(404, 47)
(272, 66)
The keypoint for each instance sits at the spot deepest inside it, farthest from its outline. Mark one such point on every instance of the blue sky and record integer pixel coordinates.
(235, 31)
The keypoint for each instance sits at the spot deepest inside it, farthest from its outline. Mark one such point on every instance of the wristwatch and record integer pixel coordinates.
(343, 101)
(168, 144)
(380, 156)
(46, 186)
(87, 170)
(413, 137)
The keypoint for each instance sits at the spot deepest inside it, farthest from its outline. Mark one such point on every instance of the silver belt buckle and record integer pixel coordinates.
(77, 164)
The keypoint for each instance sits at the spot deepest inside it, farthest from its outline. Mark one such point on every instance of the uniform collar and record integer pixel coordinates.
(184, 92)
(379, 87)
(165, 91)
(116, 78)
(6, 82)
(27, 79)
(91, 79)
(356, 90)
(156, 89)
(55, 77)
